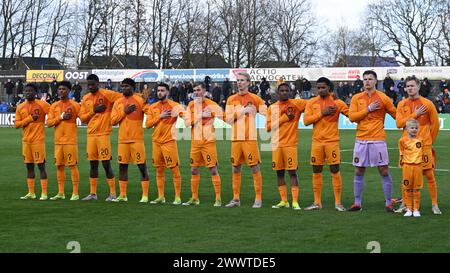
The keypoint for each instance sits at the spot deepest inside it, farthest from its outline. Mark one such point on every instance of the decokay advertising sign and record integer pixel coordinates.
(44, 75)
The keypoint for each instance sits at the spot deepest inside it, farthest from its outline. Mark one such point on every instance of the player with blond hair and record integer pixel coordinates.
(240, 112)
(423, 110)
(411, 161)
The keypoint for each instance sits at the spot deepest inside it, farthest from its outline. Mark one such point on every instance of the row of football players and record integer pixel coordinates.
(101, 109)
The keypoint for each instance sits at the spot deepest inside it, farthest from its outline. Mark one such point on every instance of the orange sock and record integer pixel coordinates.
(61, 177)
(123, 187)
(403, 195)
(30, 183)
(93, 184)
(144, 184)
(317, 187)
(195, 181)
(432, 187)
(337, 187)
(236, 186)
(283, 193)
(409, 199)
(75, 175)
(257, 182)
(294, 190)
(416, 195)
(160, 180)
(217, 185)
(176, 181)
(44, 183)
(112, 186)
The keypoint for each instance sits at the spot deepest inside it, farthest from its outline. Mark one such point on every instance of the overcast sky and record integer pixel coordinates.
(335, 13)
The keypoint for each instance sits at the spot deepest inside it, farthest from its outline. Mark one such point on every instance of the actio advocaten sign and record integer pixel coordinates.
(44, 75)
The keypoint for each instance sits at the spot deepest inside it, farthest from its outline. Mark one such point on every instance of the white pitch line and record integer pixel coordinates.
(392, 167)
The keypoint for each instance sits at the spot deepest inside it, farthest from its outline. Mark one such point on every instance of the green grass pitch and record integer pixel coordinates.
(36, 226)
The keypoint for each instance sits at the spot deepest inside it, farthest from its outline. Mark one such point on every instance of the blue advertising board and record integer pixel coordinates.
(178, 74)
(216, 75)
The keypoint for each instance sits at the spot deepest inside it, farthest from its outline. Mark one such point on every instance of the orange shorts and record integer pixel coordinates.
(204, 155)
(429, 158)
(328, 151)
(134, 152)
(165, 155)
(412, 176)
(285, 158)
(33, 153)
(66, 154)
(98, 148)
(245, 151)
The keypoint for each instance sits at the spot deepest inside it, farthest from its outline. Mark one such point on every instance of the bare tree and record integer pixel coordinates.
(124, 28)
(208, 29)
(292, 36)
(239, 32)
(209, 39)
(168, 13)
(256, 31)
(188, 30)
(339, 46)
(441, 46)
(370, 42)
(245, 33)
(36, 24)
(95, 17)
(152, 29)
(65, 49)
(160, 10)
(232, 22)
(57, 21)
(410, 25)
(228, 20)
(22, 30)
(17, 31)
(8, 11)
(138, 11)
(109, 36)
